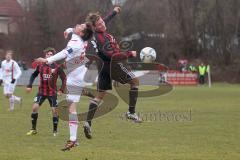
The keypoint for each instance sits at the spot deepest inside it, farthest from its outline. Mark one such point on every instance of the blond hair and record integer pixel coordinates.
(93, 17)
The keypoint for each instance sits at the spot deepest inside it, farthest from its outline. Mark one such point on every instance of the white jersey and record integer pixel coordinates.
(1, 71)
(74, 55)
(10, 70)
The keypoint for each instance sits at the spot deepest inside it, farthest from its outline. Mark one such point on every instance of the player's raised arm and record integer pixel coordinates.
(112, 14)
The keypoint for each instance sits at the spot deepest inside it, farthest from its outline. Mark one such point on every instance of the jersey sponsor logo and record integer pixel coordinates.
(8, 70)
(46, 76)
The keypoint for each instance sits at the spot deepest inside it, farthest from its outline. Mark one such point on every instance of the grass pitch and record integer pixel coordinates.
(190, 123)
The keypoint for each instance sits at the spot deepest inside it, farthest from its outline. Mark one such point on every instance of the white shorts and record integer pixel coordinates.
(75, 84)
(9, 88)
(73, 98)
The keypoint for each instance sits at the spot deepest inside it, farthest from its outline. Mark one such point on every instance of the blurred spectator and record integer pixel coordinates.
(24, 65)
(19, 63)
(162, 77)
(182, 65)
(192, 68)
(202, 71)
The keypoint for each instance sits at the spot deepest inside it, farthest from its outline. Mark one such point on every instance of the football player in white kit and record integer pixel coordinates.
(10, 73)
(74, 55)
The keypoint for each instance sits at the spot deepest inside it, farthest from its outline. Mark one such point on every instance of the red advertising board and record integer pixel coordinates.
(182, 78)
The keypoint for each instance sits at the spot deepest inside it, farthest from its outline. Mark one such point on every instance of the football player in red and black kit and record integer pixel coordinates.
(109, 52)
(48, 75)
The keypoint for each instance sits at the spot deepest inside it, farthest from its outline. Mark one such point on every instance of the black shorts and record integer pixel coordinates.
(118, 72)
(39, 99)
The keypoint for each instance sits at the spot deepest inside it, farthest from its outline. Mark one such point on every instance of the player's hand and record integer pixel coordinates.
(28, 90)
(59, 93)
(65, 34)
(117, 9)
(41, 60)
(134, 53)
(13, 80)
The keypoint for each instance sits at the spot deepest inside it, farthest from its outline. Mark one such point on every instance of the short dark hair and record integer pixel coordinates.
(87, 32)
(93, 17)
(49, 49)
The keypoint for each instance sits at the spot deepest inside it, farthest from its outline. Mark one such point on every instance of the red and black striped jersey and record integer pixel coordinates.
(106, 45)
(48, 75)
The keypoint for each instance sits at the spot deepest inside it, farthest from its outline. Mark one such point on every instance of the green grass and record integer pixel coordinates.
(213, 133)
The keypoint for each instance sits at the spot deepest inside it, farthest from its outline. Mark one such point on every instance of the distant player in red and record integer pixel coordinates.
(47, 89)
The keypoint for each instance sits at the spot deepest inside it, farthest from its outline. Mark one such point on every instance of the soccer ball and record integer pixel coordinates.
(148, 55)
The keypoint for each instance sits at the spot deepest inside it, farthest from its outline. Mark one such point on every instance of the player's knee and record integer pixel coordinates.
(54, 111)
(35, 107)
(8, 95)
(134, 82)
(35, 110)
(73, 107)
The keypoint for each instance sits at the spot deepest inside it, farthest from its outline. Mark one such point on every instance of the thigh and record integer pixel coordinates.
(104, 81)
(74, 85)
(9, 88)
(52, 101)
(121, 73)
(74, 91)
(39, 99)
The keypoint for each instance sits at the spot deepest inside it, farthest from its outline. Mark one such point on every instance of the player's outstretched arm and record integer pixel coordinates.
(31, 80)
(57, 57)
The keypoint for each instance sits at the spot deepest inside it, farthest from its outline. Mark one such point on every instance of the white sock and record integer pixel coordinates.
(73, 126)
(11, 102)
(16, 98)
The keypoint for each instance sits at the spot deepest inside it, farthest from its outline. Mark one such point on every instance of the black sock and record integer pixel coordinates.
(91, 111)
(55, 123)
(34, 117)
(133, 95)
